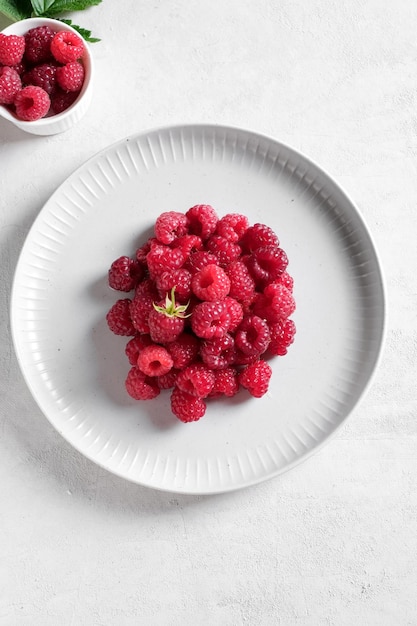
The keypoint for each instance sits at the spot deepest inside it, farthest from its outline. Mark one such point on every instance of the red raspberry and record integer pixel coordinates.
(242, 285)
(188, 244)
(70, 77)
(226, 382)
(142, 252)
(255, 378)
(166, 320)
(12, 48)
(258, 236)
(232, 226)
(141, 387)
(196, 379)
(135, 345)
(266, 264)
(118, 318)
(43, 75)
(186, 407)
(218, 353)
(286, 280)
(169, 226)
(20, 68)
(253, 336)
(226, 251)
(62, 100)
(38, 44)
(234, 308)
(167, 381)
(10, 85)
(282, 336)
(210, 319)
(124, 274)
(161, 258)
(183, 350)
(142, 304)
(180, 279)
(155, 360)
(275, 303)
(197, 260)
(202, 220)
(210, 283)
(67, 47)
(32, 103)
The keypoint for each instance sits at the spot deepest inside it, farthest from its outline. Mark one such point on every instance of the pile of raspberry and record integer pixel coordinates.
(41, 73)
(210, 305)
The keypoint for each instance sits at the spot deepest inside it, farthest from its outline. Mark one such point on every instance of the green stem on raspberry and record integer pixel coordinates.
(171, 308)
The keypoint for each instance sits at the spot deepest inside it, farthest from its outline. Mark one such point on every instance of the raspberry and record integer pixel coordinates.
(242, 285)
(169, 226)
(167, 381)
(186, 407)
(142, 304)
(12, 48)
(155, 360)
(188, 244)
(210, 283)
(67, 47)
(282, 336)
(62, 100)
(166, 320)
(183, 350)
(286, 280)
(275, 303)
(232, 226)
(180, 279)
(225, 383)
(118, 318)
(234, 308)
(38, 44)
(202, 220)
(10, 85)
(197, 260)
(142, 252)
(255, 378)
(43, 75)
(135, 345)
(32, 103)
(161, 258)
(139, 386)
(210, 319)
(124, 273)
(218, 353)
(196, 379)
(258, 236)
(226, 251)
(252, 336)
(266, 264)
(70, 77)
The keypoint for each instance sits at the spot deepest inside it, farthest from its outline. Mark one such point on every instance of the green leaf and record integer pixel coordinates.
(62, 6)
(85, 34)
(16, 10)
(40, 7)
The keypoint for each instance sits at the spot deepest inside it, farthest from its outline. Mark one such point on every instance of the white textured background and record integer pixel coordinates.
(334, 541)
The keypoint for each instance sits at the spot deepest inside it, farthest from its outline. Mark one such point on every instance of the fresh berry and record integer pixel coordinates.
(70, 77)
(226, 382)
(38, 44)
(124, 274)
(155, 360)
(218, 353)
(118, 318)
(10, 85)
(196, 379)
(140, 386)
(286, 280)
(161, 258)
(252, 336)
(185, 407)
(235, 310)
(166, 320)
(275, 303)
(183, 350)
(255, 378)
(266, 264)
(210, 319)
(226, 251)
(43, 75)
(180, 279)
(135, 345)
(282, 336)
(32, 103)
(242, 285)
(202, 220)
(167, 381)
(232, 226)
(258, 236)
(188, 244)
(199, 259)
(142, 304)
(67, 47)
(170, 225)
(12, 48)
(62, 100)
(210, 283)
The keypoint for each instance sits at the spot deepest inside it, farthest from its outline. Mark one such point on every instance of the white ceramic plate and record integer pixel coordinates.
(76, 368)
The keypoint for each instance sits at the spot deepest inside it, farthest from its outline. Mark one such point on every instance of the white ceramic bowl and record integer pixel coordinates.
(62, 121)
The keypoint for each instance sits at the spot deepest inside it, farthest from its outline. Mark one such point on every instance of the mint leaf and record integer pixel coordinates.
(62, 6)
(85, 34)
(16, 10)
